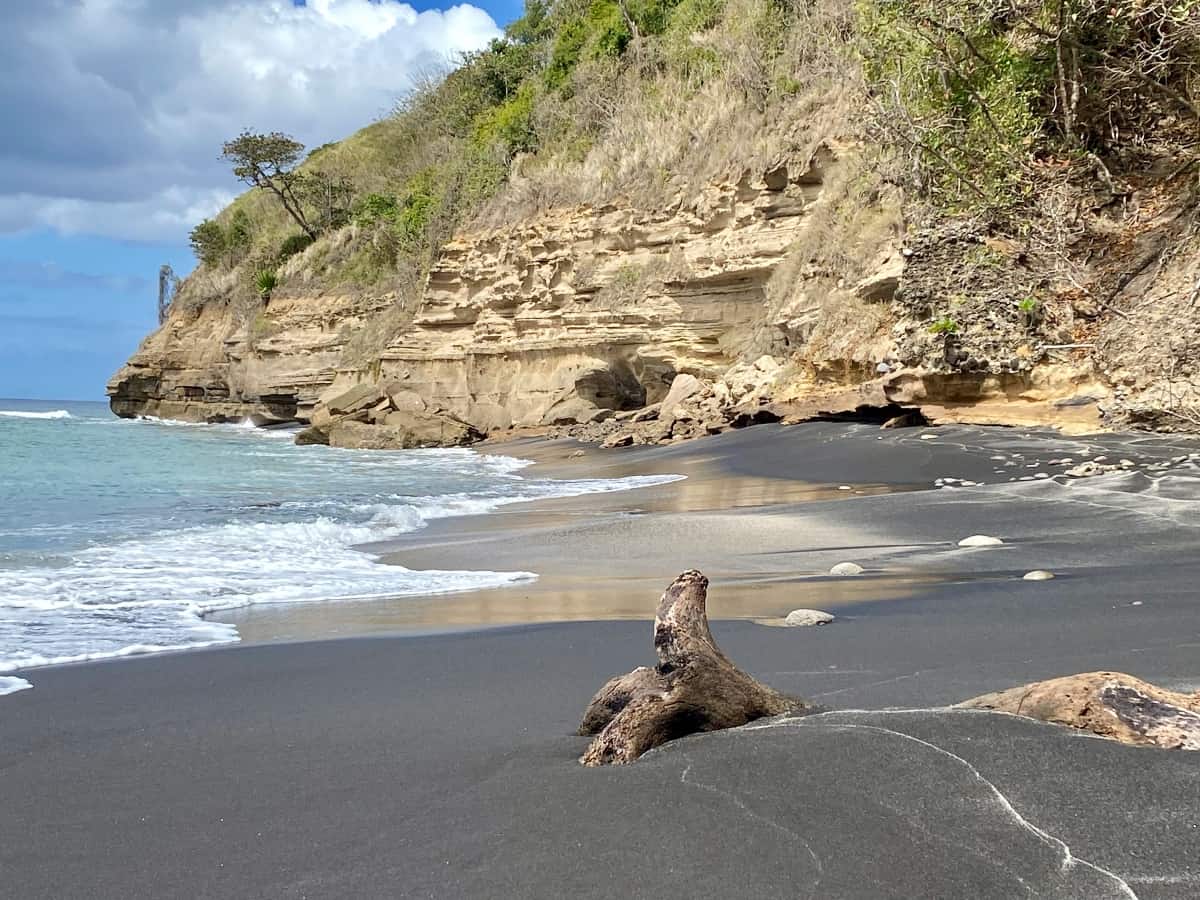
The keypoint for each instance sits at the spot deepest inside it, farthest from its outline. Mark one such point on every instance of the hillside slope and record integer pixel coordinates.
(826, 205)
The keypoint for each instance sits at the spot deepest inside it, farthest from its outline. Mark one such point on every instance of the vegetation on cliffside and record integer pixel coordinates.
(1039, 155)
(582, 101)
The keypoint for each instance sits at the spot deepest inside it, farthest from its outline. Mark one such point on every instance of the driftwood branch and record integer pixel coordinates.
(693, 688)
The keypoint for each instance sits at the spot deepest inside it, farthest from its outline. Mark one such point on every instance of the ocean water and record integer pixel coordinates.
(118, 536)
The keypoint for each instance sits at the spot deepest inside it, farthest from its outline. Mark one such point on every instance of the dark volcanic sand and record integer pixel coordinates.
(444, 766)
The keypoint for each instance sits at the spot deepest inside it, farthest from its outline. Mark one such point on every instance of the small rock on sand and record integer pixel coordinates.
(799, 618)
(980, 540)
(1038, 575)
(846, 568)
(928, 437)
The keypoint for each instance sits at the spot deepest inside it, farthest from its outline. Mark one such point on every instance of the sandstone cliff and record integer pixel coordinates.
(781, 204)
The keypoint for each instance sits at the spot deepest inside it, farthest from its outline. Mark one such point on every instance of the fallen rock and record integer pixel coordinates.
(802, 618)
(1109, 704)
(846, 568)
(880, 286)
(684, 387)
(1038, 575)
(312, 435)
(404, 431)
(575, 411)
(407, 401)
(1085, 470)
(489, 417)
(980, 540)
(618, 440)
(361, 396)
(648, 413)
(749, 381)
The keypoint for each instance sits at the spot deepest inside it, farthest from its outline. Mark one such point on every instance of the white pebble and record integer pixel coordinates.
(1136, 603)
(844, 487)
(802, 617)
(980, 540)
(1038, 575)
(846, 568)
(928, 437)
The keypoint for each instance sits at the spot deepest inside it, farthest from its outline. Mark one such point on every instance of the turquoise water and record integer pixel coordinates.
(117, 536)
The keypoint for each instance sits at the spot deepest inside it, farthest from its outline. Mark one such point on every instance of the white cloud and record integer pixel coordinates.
(115, 110)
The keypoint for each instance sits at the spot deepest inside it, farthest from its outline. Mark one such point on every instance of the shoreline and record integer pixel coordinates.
(759, 512)
(371, 763)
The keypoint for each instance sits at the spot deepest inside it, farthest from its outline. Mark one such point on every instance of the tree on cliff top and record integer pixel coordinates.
(268, 162)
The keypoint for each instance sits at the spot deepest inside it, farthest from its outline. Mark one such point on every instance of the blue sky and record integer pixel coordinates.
(113, 114)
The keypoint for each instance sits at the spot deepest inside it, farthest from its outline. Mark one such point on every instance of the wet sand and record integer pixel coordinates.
(445, 765)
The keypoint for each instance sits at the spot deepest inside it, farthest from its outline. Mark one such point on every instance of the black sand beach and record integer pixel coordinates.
(445, 765)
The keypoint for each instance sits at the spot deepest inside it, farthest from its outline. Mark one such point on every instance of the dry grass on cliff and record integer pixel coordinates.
(768, 83)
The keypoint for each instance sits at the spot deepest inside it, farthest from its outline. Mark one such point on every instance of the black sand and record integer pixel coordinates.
(444, 766)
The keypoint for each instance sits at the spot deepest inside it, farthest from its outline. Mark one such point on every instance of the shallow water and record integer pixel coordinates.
(117, 537)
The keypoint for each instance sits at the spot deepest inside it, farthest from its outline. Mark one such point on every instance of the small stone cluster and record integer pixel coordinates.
(693, 407)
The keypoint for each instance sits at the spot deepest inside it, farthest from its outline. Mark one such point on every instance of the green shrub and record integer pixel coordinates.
(293, 244)
(265, 282)
(239, 237)
(610, 30)
(422, 198)
(957, 92)
(944, 325)
(510, 125)
(568, 48)
(375, 208)
(208, 242)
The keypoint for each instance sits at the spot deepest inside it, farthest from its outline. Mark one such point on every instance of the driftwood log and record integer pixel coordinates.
(693, 688)
(1111, 704)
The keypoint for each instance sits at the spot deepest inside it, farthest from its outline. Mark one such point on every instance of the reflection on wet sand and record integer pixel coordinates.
(606, 556)
(557, 599)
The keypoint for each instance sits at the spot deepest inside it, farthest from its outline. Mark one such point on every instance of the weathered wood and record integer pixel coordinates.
(693, 688)
(1111, 704)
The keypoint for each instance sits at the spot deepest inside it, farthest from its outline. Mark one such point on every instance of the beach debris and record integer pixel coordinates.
(1109, 704)
(928, 437)
(980, 540)
(846, 568)
(693, 688)
(618, 440)
(802, 618)
(910, 419)
(1038, 575)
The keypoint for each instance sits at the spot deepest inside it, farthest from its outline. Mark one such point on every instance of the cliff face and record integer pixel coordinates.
(551, 320)
(784, 287)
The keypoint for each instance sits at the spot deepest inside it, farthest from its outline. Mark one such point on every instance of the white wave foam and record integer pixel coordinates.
(10, 685)
(26, 414)
(152, 593)
(243, 426)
